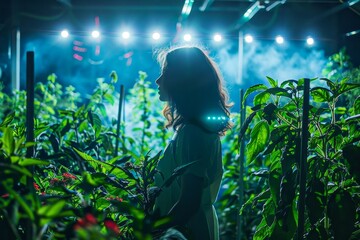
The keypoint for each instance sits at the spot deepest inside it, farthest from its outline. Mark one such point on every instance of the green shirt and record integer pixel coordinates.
(191, 143)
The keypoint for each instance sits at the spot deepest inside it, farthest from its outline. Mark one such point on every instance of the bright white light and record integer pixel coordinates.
(248, 38)
(310, 41)
(64, 33)
(217, 37)
(187, 37)
(279, 39)
(156, 36)
(247, 13)
(95, 34)
(125, 35)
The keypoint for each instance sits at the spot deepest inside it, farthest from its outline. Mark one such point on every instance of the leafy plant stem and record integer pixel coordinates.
(285, 120)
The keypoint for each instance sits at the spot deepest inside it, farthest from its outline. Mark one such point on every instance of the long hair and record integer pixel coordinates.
(195, 88)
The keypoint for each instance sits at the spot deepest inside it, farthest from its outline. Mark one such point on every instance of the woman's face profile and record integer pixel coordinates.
(163, 94)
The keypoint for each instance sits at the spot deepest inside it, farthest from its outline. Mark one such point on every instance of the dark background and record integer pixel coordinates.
(40, 22)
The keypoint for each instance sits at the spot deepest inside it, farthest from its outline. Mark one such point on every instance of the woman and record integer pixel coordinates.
(197, 109)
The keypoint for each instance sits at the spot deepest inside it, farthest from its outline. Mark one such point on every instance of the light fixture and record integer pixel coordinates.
(217, 37)
(279, 39)
(125, 35)
(310, 41)
(95, 34)
(187, 37)
(248, 38)
(156, 36)
(64, 33)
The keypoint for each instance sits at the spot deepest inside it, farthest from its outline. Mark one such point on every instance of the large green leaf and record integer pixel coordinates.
(21, 201)
(261, 98)
(321, 94)
(347, 87)
(277, 91)
(32, 161)
(315, 200)
(51, 211)
(342, 213)
(259, 138)
(254, 88)
(110, 168)
(262, 230)
(8, 141)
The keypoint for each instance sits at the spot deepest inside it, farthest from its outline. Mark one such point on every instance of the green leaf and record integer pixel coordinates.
(347, 87)
(340, 110)
(273, 83)
(357, 105)
(102, 108)
(52, 78)
(8, 119)
(321, 94)
(262, 230)
(315, 200)
(109, 98)
(254, 88)
(32, 161)
(117, 171)
(278, 92)
(16, 168)
(20, 200)
(8, 141)
(259, 137)
(329, 83)
(274, 182)
(95, 179)
(261, 98)
(51, 210)
(114, 77)
(289, 82)
(342, 213)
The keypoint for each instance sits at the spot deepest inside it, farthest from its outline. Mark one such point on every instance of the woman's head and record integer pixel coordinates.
(192, 86)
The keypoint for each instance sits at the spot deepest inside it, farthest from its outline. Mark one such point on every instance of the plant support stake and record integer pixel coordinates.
(241, 163)
(303, 158)
(30, 101)
(121, 100)
(30, 75)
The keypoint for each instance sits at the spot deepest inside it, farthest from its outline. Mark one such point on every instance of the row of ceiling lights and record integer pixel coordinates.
(156, 36)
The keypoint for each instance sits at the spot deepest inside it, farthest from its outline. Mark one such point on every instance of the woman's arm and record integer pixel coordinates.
(189, 201)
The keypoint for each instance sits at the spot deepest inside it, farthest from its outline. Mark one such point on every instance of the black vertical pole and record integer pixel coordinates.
(30, 75)
(303, 159)
(241, 164)
(121, 100)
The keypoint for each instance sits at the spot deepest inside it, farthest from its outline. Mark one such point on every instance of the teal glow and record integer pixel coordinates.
(187, 7)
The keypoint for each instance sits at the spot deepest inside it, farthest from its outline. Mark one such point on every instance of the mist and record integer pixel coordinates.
(288, 61)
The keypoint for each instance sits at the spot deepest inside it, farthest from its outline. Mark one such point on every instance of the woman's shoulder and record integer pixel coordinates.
(195, 132)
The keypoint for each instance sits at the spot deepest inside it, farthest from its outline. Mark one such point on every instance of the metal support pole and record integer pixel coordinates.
(30, 75)
(15, 59)
(241, 164)
(240, 57)
(15, 47)
(303, 159)
(121, 101)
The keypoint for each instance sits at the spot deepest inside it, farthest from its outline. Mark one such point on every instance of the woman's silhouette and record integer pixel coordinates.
(197, 109)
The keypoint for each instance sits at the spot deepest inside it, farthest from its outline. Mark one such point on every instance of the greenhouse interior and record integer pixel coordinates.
(180, 119)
